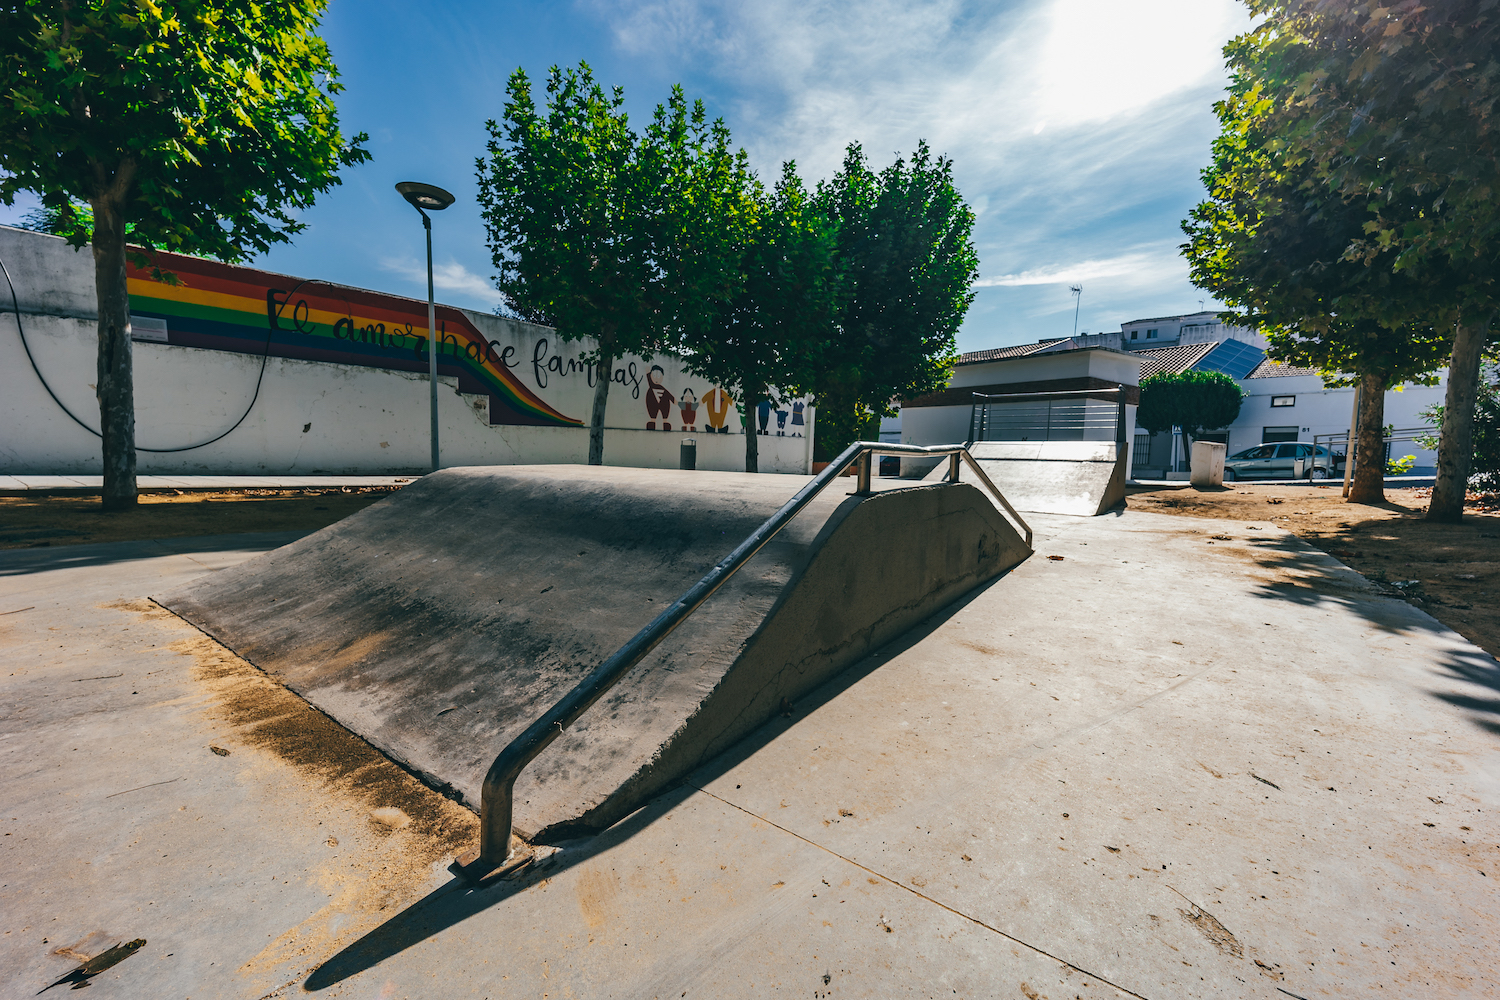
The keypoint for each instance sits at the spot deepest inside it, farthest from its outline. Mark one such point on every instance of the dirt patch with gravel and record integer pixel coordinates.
(36, 519)
(1452, 571)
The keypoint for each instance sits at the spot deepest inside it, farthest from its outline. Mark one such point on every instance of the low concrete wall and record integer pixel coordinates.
(345, 386)
(441, 621)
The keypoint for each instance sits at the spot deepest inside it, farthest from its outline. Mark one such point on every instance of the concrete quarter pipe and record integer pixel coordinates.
(1083, 478)
(438, 623)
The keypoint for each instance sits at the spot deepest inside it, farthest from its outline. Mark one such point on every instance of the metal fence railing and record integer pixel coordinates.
(1079, 415)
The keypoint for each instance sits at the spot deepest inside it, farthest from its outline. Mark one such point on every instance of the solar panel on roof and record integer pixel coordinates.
(1234, 358)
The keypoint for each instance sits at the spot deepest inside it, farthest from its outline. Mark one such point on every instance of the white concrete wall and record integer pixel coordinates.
(311, 417)
(1116, 366)
(1191, 328)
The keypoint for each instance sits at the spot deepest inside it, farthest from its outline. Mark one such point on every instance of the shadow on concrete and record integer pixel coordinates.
(457, 900)
(1481, 670)
(23, 562)
(1309, 577)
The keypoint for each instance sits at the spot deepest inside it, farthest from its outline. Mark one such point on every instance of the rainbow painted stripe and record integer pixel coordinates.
(222, 307)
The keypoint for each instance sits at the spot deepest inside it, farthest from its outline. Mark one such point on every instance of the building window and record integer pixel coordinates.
(1134, 334)
(1150, 334)
(1283, 400)
(1269, 435)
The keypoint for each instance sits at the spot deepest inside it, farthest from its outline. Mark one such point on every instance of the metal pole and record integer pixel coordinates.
(1349, 445)
(432, 372)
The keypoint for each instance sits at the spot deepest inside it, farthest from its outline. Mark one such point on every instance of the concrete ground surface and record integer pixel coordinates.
(30, 482)
(1164, 757)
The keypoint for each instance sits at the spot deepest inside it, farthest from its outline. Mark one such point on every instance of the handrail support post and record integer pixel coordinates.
(953, 465)
(862, 471)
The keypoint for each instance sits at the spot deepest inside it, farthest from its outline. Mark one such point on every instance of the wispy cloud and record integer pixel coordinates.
(1077, 127)
(450, 277)
(1141, 265)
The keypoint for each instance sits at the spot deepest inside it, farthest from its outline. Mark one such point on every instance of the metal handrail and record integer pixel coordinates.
(497, 800)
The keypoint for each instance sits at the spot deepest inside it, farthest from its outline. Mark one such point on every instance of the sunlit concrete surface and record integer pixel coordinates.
(1188, 758)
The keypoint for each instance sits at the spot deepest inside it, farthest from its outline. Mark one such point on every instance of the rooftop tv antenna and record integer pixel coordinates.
(1078, 291)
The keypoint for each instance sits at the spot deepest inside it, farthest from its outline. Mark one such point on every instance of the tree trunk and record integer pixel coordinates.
(1456, 441)
(596, 418)
(1368, 485)
(752, 439)
(115, 387)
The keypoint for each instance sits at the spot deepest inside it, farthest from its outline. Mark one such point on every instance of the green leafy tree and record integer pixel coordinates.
(202, 125)
(74, 222)
(1272, 241)
(1392, 104)
(787, 304)
(1195, 401)
(631, 240)
(907, 266)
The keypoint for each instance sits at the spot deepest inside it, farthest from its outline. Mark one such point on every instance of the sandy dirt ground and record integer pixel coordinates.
(1451, 571)
(36, 519)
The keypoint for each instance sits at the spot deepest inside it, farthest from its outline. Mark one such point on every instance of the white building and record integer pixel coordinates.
(1282, 402)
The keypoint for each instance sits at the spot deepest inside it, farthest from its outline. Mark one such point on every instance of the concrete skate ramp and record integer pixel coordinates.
(439, 622)
(1052, 477)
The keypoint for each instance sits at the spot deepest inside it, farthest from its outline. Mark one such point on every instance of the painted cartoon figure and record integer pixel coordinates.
(717, 403)
(687, 404)
(658, 400)
(763, 411)
(780, 423)
(797, 422)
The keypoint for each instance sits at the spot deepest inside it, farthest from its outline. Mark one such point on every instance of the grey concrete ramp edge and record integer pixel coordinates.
(439, 622)
(1081, 478)
(880, 567)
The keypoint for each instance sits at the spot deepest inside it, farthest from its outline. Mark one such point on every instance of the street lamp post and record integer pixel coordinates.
(425, 198)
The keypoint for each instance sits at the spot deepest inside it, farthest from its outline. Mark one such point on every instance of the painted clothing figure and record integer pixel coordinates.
(717, 403)
(781, 423)
(764, 412)
(687, 404)
(658, 400)
(797, 422)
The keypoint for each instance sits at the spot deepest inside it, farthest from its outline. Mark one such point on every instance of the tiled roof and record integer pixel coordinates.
(1001, 353)
(1156, 360)
(1274, 369)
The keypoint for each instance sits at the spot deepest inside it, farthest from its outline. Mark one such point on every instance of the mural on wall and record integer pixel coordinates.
(717, 403)
(530, 376)
(226, 308)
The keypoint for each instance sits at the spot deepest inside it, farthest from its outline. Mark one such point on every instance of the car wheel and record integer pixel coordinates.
(1318, 473)
(1229, 475)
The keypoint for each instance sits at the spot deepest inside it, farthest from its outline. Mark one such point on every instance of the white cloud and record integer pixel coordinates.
(1141, 265)
(450, 277)
(1076, 127)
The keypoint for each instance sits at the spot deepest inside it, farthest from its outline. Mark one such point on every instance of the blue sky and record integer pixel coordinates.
(1077, 127)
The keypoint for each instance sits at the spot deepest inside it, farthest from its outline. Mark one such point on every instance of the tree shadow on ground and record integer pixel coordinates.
(1298, 573)
(458, 899)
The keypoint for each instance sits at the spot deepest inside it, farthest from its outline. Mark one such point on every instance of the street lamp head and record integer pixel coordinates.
(425, 196)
